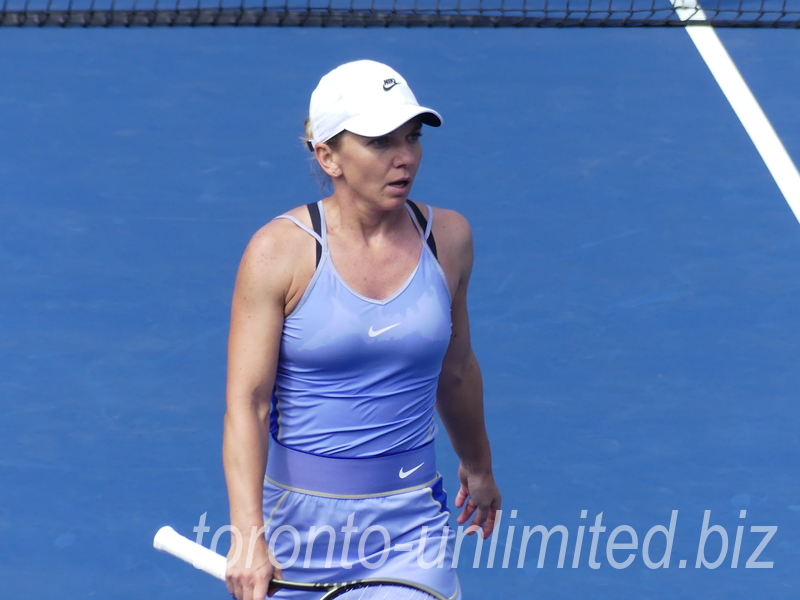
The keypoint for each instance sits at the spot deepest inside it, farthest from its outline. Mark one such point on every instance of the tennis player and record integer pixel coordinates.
(349, 325)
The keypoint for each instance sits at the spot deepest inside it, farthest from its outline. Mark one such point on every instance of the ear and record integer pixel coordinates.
(327, 160)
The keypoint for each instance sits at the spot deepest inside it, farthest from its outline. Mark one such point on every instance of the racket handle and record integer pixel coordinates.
(170, 541)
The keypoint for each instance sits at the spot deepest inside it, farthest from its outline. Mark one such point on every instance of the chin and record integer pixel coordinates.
(399, 195)
(397, 201)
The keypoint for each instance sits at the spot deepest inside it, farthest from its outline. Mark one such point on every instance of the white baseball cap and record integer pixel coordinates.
(366, 98)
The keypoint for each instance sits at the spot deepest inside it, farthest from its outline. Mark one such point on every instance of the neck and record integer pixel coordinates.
(351, 215)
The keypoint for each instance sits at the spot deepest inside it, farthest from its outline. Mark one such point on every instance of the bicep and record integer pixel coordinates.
(459, 355)
(257, 314)
(460, 345)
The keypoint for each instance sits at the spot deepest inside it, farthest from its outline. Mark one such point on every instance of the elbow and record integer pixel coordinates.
(451, 379)
(456, 373)
(255, 405)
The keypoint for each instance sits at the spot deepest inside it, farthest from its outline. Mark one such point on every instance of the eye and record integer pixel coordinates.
(380, 142)
(414, 137)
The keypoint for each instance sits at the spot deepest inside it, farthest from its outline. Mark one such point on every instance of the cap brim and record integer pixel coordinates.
(378, 124)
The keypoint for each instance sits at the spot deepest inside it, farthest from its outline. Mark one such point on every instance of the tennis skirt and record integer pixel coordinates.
(334, 519)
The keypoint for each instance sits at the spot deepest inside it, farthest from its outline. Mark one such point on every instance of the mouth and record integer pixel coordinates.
(400, 185)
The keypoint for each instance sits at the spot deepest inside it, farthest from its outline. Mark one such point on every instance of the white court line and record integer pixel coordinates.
(743, 102)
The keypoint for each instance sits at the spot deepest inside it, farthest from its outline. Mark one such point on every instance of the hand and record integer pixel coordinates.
(250, 583)
(478, 495)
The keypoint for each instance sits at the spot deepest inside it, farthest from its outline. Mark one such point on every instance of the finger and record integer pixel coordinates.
(465, 515)
(472, 529)
(260, 589)
(276, 573)
(247, 589)
(461, 496)
(238, 590)
(488, 524)
(271, 589)
(480, 518)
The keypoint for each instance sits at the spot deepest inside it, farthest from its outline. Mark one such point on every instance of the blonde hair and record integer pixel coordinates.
(308, 136)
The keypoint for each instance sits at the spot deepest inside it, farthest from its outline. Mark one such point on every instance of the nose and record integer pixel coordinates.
(405, 155)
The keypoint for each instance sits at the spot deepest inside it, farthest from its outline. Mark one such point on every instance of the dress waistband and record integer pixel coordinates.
(351, 477)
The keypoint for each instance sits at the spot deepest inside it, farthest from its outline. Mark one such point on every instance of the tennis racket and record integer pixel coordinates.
(170, 541)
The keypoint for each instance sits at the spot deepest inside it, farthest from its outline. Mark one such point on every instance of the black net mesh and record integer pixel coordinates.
(402, 13)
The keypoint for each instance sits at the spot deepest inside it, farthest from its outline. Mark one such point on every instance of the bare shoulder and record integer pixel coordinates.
(277, 239)
(272, 255)
(453, 236)
(452, 228)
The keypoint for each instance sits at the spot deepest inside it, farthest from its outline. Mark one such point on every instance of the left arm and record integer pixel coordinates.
(460, 392)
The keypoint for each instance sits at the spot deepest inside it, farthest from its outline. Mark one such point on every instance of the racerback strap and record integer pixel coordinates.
(423, 223)
(316, 223)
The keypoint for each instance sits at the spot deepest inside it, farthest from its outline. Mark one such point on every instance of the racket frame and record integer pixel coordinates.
(170, 541)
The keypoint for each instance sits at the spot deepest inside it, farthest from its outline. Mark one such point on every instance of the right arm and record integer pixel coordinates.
(257, 313)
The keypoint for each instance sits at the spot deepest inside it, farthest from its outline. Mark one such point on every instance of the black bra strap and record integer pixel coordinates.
(316, 223)
(423, 223)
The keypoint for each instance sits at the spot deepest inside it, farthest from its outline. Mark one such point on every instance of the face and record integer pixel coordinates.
(380, 169)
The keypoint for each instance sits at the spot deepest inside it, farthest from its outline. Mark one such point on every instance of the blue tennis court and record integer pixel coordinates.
(634, 300)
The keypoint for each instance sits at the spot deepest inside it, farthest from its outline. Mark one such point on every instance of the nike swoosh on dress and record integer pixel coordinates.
(373, 333)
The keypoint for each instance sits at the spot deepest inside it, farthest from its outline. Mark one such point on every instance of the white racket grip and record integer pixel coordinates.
(170, 541)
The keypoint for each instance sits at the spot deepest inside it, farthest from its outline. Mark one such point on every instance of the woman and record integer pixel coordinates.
(349, 322)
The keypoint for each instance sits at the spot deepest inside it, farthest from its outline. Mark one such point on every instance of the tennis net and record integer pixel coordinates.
(402, 13)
